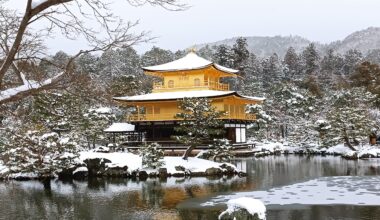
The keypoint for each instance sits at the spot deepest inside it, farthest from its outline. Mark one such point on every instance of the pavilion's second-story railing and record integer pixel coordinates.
(171, 117)
(206, 84)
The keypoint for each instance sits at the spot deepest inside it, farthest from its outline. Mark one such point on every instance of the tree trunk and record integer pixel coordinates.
(348, 143)
(188, 152)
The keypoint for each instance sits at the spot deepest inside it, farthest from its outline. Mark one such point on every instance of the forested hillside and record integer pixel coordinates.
(310, 98)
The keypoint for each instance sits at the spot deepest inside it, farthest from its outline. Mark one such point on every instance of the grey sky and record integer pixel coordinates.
(212, 20)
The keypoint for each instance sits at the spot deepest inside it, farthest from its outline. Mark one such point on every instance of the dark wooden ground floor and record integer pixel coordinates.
(164, 132)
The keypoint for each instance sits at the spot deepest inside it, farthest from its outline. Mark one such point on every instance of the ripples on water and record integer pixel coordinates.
(181, 198)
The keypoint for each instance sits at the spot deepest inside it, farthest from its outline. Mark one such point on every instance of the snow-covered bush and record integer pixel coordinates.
(39, 152)
(262, 121)
(151, 155)
(350, 120)
(200, 123)
(94, 122)
(221, 149)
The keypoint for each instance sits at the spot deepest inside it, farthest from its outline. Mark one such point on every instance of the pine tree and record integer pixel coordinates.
(223, 56)
(262, 121)
(272, 70)
(199, 123)
(220, 150)
(40, 152)
(349, 120)
(331, 66)
(93, 123)
(156, 56)
(291, 64)
(240, 54)
(351, 59)
(253, 81)
(206, 52)
(151, 155)
(310, 58)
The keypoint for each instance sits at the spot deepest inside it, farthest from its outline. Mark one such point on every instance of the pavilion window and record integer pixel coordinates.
(171, 84)
(157, 110)
(149, 110)
(197, 82)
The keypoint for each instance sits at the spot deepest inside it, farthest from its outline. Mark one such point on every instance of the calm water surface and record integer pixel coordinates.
(176, 198)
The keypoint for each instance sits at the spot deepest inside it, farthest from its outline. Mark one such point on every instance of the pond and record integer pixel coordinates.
(293, 187)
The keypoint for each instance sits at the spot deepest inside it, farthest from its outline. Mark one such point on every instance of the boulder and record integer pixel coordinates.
(178, 175)
(80, 173)
(179, 168)
(197, 174)
(143, 175)
(228, 170)
(213, 171)
(162, 172)
(96, 166)
(116, 171)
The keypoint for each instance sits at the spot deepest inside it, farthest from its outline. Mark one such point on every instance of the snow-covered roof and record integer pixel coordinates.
(183, 94)
(189, 62)
(120, 127)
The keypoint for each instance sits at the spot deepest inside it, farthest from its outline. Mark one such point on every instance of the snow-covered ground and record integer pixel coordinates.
(134, 162)
(340, 149)
(349, 190)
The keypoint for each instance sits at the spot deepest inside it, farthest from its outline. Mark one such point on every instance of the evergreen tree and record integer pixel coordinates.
(151, 155)
(240, 54)
(349, 119)
(199, 123)
(291, 64)
(331, 66)
(253, 81)
(310, 59)
(206, 52)
(263, 121)
(39, 152)
(351, 59)
(156, 56)
(93, 123)
(220, 150)
(223, 56)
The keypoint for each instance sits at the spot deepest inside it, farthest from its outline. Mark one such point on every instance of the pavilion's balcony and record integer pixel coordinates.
(206, 84)
(170, 117)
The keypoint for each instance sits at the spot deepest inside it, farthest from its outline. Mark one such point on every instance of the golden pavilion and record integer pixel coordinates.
(190, 76)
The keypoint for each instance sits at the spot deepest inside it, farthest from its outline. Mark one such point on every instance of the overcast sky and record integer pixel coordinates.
(212, 20)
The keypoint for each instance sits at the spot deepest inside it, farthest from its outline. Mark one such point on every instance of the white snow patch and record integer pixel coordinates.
(338, 149)
(120, 127)
(3, 169)
(8, 93)
(80, 169)
(134, 162)
(103, 110)
(253, 206)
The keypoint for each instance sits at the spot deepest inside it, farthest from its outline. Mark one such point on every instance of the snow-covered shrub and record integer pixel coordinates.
(262, 121)
(94, 122)
(200, 123)
(39, 152)
(220, 149)
(151, 155)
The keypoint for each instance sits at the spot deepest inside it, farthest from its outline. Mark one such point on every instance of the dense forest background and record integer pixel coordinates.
(313, 96)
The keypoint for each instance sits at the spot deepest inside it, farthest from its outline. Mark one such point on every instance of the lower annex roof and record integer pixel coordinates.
(183, 94)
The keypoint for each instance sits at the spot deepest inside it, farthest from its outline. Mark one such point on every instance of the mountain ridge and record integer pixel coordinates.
(364, 40)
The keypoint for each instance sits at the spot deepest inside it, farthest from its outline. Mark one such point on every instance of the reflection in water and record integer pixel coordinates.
(180, 198)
